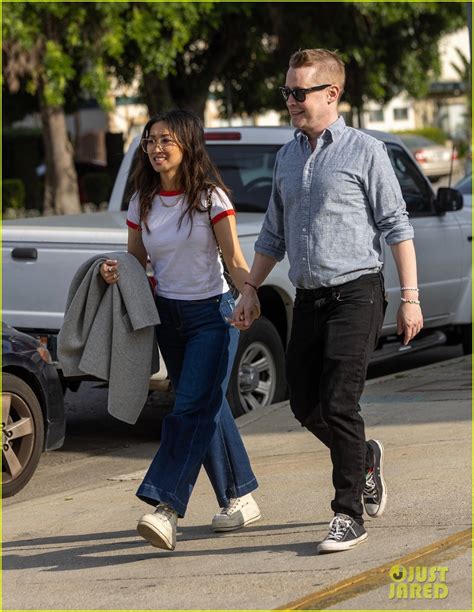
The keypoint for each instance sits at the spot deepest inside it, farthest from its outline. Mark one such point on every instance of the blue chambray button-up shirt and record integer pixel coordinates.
(329, 207)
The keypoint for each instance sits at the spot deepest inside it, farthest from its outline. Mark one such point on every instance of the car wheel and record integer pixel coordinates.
(22, 434)
(258, 375)
(466, 338)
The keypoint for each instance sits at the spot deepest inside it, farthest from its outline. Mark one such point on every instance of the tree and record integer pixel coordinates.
(49, 46)
(244, 48)
(387, 48)
(176, 49)
(463, 69)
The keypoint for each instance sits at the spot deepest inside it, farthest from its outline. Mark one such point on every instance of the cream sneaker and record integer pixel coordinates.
(241, 511)
(159, 528)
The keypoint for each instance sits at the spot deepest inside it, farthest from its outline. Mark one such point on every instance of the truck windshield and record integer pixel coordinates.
(246, 169)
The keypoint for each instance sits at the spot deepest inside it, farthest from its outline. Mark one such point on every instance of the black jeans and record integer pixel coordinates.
(334, 331)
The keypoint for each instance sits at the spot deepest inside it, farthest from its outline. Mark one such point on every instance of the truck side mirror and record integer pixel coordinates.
(448, 200)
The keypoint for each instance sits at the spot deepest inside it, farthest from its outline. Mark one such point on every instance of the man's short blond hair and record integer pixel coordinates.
(329, 64)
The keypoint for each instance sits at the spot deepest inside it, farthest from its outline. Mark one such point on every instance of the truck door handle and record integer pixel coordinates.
(469, 238)
(24, 253)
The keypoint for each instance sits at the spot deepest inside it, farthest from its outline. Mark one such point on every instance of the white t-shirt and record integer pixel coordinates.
(186, 265)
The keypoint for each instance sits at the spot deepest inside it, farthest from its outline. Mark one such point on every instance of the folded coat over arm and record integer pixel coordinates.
(108, 332)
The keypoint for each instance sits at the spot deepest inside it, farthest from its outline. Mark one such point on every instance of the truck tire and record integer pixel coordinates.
(20, 453)
(258, 375)
(466, 338)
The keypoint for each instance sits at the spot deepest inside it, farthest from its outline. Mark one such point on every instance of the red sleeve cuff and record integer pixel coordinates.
(224, 213)
(134, 225)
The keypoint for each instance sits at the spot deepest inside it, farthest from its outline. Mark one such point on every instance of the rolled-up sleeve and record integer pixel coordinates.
(271, 240)
(385, 197)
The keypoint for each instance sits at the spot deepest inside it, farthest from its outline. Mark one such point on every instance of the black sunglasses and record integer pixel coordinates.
(299, 94)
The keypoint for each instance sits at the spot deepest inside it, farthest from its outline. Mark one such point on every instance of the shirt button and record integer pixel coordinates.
(304, 258)
(304, 229)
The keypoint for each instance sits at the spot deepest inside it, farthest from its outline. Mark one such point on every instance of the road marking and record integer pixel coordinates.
(378, 576)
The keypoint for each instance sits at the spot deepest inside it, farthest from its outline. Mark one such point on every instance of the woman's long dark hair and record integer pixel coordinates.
(196, 173)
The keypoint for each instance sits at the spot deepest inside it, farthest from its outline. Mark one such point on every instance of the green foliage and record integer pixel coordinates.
(178, 48)
(432, 133)
(387, 47)
(13, 194)
(49, 46)
(97, 187)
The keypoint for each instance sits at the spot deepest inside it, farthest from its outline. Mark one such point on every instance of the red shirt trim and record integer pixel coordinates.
(170, 193)
(133, 225)
(225, 213)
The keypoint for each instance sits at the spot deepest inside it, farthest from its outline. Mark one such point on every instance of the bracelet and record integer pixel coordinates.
(250, 285)
(410, 301)
(410, 289)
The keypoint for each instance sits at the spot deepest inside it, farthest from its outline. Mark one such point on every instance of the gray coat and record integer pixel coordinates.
(108, 332)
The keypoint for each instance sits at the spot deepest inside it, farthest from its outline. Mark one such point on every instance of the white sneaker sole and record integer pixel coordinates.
(218, 528)
(154, 535)
(328, 547)
(383, 501)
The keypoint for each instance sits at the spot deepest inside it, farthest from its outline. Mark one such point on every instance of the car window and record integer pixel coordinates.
(413, 142)
(465, 185)
(415, 190)
(248, 171)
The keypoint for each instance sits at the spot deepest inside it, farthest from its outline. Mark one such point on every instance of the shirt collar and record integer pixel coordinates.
(332, 133)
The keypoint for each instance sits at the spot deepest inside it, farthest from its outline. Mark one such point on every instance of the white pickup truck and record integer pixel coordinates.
(40, 257)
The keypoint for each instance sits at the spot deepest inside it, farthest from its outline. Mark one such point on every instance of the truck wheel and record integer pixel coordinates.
(258, 376)
(22, 434)
(466, 338)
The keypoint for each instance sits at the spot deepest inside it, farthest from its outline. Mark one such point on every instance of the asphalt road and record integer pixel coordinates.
(92, 432)
(77, 548)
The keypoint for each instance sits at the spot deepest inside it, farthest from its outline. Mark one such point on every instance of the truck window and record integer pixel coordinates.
(248, 171)
(416, 192)
(128, 191)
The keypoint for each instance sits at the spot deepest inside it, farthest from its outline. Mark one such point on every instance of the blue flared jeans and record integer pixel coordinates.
(198, 346)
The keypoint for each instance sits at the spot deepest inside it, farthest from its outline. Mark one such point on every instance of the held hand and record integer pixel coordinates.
(246, 311)
(109, 271)
(409, 321)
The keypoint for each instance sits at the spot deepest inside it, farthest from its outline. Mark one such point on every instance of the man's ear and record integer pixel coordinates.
(334, 93)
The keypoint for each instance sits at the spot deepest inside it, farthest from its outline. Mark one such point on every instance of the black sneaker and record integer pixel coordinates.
(344, 533)
(374, 495)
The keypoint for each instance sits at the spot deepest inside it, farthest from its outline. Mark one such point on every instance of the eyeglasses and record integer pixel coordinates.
(299, 94)
(150, 144)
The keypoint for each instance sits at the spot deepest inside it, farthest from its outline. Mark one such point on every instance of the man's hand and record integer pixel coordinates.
(409, 321)
(247, 310)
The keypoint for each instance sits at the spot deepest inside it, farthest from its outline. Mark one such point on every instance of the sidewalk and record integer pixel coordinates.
(79, 550)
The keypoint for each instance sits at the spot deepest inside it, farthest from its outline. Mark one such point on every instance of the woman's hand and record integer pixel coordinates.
(109, 271)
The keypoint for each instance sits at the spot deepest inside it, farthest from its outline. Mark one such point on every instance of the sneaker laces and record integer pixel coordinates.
(338, 527)
(370, 488)
(232, 507)
(166, 510)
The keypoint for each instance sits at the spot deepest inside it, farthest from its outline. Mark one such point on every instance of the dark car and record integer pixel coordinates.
(33, 417)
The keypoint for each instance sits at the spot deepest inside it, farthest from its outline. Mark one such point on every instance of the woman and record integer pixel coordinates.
(168, 220)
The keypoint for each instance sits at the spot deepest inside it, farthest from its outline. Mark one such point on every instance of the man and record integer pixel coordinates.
(334, 195)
